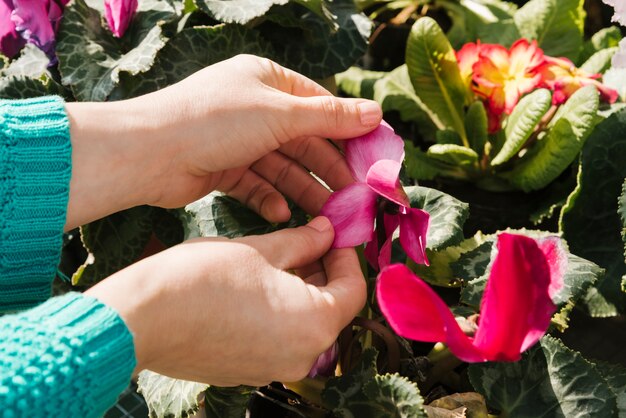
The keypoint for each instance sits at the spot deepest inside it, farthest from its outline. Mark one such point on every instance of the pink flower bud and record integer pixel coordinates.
(118, 14)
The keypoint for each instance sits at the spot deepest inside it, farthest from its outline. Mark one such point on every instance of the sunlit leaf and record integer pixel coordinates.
(550, 381)
(590, 221)
(167, 397)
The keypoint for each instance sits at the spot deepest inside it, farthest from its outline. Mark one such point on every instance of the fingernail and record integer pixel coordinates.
(371, 113)
(321, 224)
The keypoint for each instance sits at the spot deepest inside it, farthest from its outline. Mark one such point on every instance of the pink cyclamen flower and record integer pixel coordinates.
(10, 41)
(562, 76)
(326, 363)
(375, 160)
(516, 307)
(118, 14)
(37, 22)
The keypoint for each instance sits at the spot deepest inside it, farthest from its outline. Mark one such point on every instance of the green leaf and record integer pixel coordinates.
(244, 11)
(361, 393)
(557, 25)
(237, 11)
(599, 62)
(418, 165)
(32, 63)
(91, 59)
(395, 92)
(435, 75)
(590, 222)
(550, 381)
(447, 136)
(476, 127)
(522, 123)
(621, 211)
(167, 227)
(217, 215)
(447, 215)
(569, 129)
(357, 82)
(456, 155)
(227, 402)
(615, 376)
(23, 87)
(168, 397)
(113, 243)
(471, 17)
(504, 32)
(439, 272)
(603, 39)
(305, 43)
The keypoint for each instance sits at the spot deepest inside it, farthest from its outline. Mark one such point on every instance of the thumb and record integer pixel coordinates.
(295, 247)
(334, 117)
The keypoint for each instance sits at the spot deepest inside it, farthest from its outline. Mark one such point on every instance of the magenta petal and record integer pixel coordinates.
(352, 211)
(516, 306)
(383, 178)
(118, 15)
(391, 224)
(415, 311)
(326, 363)
(10, 41)
(32, 21)
(380, 144)
(413, 230)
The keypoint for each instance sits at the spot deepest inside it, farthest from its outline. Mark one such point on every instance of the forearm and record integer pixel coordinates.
(70, 356)
(113, 159)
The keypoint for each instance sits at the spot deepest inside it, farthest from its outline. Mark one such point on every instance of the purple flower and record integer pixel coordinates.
(37, 22)
(10, 41)
(118, 14)
(326, 362)
(375, 160)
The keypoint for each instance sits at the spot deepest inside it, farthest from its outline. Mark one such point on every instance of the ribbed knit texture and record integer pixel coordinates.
(69, 357)
(35, 169)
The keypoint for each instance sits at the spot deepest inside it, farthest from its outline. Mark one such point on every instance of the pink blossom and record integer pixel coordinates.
(516, 307)
(375, 160)
(37, 22)
(10, 41)
(326, 363)
(118, 14)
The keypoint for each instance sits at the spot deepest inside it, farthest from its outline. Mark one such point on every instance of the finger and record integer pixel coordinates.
(313, 273)
(322, 158)
(332, 117)
(293, 180)
(295, 247)
(346, 284)
(260, 196)
(291, 82)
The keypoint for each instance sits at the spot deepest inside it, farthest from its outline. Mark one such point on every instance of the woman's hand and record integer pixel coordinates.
(226, 312)
(245, 126)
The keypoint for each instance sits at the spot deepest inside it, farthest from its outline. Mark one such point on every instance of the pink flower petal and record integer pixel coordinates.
(383, 178)
(118, 15)
(32, 21)
(413, 229)
(326, 363)
(10, 41)
(352, 211)
(380, 144)
(415, 311)
(379, 259)
(516, 306)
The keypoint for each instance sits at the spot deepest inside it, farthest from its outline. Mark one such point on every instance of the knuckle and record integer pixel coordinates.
(333, 111)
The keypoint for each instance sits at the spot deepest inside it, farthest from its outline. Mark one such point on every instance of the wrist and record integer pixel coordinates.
(111, 147)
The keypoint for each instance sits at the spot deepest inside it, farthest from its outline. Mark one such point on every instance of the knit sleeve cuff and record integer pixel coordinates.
(35, 168)
(75, 349)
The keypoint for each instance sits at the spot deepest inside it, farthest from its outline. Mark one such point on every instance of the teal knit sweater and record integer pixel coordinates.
(66, 356)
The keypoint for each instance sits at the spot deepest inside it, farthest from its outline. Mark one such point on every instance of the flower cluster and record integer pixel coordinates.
(500, 77)
(525, 277)
(37, 21)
